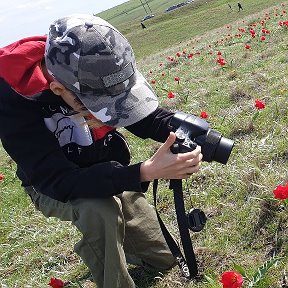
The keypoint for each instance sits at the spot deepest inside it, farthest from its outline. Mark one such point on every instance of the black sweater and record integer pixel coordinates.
(63, 158)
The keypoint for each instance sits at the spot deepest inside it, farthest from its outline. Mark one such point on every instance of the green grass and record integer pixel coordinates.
(168, 29)
(246, 226)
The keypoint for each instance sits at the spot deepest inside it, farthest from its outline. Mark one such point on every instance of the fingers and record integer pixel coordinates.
(190, 167)
(190, 163)
(190, 155)
(196, 158)
(167, 165)
(165, 147)
(169, 141)
(193, 169)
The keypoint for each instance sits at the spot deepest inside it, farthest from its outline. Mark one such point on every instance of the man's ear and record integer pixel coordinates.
(57, 88)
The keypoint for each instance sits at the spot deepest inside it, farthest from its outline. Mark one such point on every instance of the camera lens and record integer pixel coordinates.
(216, 147)
(223, 150)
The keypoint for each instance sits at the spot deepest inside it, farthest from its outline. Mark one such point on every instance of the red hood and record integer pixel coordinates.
(20, 65)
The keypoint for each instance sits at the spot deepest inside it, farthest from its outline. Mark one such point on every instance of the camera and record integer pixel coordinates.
(191, 131)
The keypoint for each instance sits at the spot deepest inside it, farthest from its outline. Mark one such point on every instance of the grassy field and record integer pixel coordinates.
(246, 226)
(168, 29)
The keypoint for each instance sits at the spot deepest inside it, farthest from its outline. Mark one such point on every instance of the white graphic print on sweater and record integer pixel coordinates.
(69, 129)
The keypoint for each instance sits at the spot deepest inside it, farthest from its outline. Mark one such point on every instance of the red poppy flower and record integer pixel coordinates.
(177, 79)
(231, 279)
(56, 283)
(219, 53)
(153, 82)
(247, 46)
(171, 95)
(259, 104)
(263, 38)
(204, 114)
(283, 23)
(1, 177)
(163, 74)
(221, 61)
(190, 55)
(281, 192)
(178, 54)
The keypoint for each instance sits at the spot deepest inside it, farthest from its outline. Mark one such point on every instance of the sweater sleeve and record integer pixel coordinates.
(154, 126)
(42, 162)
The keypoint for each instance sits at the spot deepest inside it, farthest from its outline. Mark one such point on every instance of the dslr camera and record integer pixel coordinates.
(191, 131)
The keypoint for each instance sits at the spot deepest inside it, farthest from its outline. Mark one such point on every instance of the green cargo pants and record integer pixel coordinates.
(115, 230)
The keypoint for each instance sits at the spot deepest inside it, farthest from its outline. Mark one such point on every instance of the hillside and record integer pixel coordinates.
(169, 29)
(232, 66)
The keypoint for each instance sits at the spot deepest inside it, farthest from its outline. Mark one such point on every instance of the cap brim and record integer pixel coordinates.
(126, 108)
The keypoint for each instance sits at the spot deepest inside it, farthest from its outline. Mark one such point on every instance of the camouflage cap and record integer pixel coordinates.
(94, 60)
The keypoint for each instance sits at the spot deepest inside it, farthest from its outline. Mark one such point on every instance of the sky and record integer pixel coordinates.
(24, 18)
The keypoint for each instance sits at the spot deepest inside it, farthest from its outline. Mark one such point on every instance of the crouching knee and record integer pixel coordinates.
(98, 211)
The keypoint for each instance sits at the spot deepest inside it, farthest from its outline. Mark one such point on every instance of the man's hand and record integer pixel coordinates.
(166, 165)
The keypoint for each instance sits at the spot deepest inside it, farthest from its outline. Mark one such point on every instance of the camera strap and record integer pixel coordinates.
(187, 266)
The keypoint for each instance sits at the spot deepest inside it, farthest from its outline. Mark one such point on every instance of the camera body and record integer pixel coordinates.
(192, 131)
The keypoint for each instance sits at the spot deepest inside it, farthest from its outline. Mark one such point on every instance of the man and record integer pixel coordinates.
(239, 7)
(59, 115)
(143, 26)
